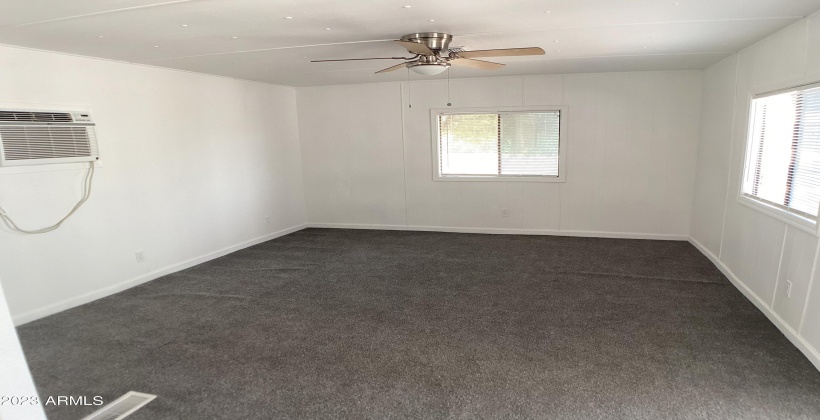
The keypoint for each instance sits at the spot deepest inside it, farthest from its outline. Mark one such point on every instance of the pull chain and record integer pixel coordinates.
(448, 87)
(409, 104)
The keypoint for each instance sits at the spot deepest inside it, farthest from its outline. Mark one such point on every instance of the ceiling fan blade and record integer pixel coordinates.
(361, 59)
(393, 68)
(509, 52)
(415, 47)
(477, 64)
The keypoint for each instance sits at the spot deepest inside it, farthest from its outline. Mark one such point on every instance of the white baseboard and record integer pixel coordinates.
(115, 288)
(504, 231)
(810, 352)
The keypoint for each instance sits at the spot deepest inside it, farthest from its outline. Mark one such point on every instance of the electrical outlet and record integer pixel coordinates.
(140, 256)
(505, 212)
(788, 289)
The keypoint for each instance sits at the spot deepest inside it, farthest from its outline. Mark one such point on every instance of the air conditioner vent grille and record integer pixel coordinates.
(43, 117)
(47, 142)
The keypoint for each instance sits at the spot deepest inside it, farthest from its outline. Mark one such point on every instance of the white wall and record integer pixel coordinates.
(632, 143)
(757, 251)
(192, 166)
(15, 379)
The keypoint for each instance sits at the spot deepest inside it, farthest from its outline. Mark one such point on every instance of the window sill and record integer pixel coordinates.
(781, 215)
(491, 178)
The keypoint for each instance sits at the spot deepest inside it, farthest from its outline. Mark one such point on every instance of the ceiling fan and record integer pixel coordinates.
(433, 54)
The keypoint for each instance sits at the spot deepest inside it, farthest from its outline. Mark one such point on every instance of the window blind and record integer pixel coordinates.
(783, 160)
(501, 144)
(468, 144)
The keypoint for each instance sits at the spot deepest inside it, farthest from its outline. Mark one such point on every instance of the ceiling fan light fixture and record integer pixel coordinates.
(429, 69)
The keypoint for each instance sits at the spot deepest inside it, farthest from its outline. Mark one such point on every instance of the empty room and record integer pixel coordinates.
(389, 209)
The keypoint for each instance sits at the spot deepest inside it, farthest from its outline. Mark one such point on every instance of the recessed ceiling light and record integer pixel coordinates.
(99, 36)
(431, 20)
(288, 17)
(546, 12)
(156, 46)
(234, 37)
(554, 40)
(327, 29)
(184, 25)
(407, 6)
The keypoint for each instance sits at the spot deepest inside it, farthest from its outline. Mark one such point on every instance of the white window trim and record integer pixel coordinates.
(562, 146)
(761, 206)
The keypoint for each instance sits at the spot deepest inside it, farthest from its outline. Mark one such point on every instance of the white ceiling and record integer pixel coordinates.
(578, 35)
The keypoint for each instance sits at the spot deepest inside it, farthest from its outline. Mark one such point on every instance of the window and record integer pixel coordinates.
(782, 170)
(521, 144)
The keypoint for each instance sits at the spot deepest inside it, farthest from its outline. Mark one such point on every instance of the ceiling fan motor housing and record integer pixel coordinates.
(436, 41)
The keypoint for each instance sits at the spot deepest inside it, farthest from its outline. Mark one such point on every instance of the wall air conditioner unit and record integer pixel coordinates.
(44, 137)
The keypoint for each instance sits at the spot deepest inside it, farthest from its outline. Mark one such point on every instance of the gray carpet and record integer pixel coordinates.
(378, 324)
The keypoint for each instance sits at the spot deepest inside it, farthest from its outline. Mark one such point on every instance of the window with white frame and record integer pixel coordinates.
(782, 170)
(479, 144)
